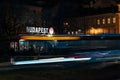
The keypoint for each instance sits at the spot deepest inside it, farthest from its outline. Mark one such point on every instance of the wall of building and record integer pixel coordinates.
(97, 24)
(118, 21)
(104, 23)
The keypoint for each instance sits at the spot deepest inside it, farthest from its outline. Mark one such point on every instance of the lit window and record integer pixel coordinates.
(98, 21)
(65, 23)
(68, 32)
(12, 45)
(72, 32)
(103, 21)
(114, 20)
(118, 7)
(108, 20)
(76, 32)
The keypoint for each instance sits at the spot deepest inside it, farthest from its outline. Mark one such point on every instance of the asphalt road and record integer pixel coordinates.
(73, 70)
(89, 71)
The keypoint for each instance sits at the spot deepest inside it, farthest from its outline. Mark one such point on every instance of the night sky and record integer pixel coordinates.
(64, 7)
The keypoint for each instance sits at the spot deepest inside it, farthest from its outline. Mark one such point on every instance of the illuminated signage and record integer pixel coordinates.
(36, 30)
(51, 30)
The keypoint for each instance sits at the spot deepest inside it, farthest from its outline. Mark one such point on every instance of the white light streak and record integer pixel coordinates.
(50, 60)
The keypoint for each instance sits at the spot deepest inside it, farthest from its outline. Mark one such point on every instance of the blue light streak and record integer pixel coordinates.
(50, 60)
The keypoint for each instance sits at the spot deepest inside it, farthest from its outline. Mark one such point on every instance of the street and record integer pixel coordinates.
(81, 72)
(102, 65)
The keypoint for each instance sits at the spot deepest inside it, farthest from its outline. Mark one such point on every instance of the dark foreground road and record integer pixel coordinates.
(81, 72)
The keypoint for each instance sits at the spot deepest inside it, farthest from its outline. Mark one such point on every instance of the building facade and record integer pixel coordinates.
(100, 23)
(97, 24)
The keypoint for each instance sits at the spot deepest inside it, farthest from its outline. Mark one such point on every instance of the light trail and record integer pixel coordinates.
(50, 60)
(50, 37)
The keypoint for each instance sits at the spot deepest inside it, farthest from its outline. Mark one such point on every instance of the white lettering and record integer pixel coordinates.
(36, 30)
